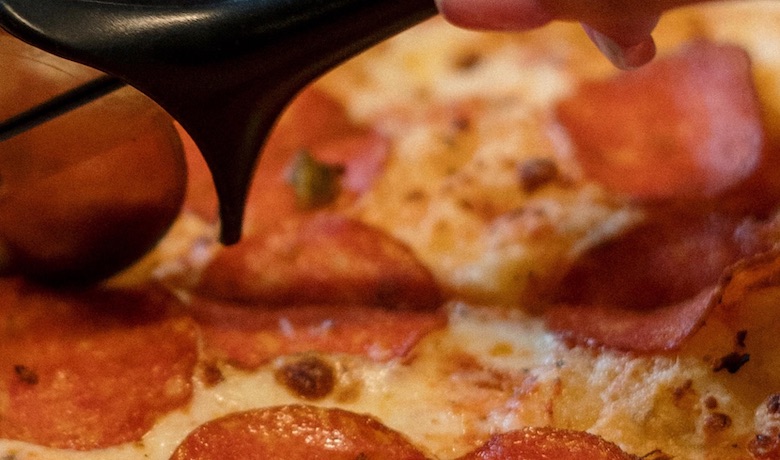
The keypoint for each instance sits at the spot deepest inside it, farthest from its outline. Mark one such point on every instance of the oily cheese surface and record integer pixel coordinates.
(464, 111)
(470, 109)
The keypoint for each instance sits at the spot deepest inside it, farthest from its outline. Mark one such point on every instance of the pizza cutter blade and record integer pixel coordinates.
(224, 69)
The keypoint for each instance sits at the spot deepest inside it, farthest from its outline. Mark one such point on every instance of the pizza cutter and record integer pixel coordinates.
(224, 69)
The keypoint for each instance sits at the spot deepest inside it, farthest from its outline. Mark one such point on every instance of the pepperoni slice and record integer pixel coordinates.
(548, 443)
(652, 288)
(671, 257)
(314, 117)
(325, 259)
(296, 433)
(688, 125)
(659, 329)
(90, 370)
(247, 338)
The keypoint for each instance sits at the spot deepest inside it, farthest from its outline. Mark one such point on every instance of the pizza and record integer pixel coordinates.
(458, 245)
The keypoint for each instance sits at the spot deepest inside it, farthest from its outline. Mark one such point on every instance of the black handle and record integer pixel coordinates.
(223, 68)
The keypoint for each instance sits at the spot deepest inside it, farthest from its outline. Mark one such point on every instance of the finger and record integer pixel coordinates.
(623, 55)
(495, 14)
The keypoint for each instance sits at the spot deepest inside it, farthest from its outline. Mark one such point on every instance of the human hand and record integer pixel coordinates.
(621, 29)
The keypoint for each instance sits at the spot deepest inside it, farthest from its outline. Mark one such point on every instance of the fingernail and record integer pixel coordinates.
(639, 54)
(494, 14)
(623, 57)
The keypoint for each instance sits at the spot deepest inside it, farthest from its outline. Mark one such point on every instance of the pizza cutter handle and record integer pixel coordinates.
(224, 69)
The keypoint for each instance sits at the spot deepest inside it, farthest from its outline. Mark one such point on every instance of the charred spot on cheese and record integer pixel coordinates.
(416, 196)
(734, 361)
(536, 173)
(316, 184)
(739, 339)
(468, 61)
(716, 422)
(764, 446)
(308, 377)
(710, 402)
(461, 123)
(766, 443)
(211, 374)
(26, 375)
(731, 362)
(773, 404)
(684, 394)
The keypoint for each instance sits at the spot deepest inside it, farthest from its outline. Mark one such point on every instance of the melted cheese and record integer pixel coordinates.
(465, 115)
(495, 370)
